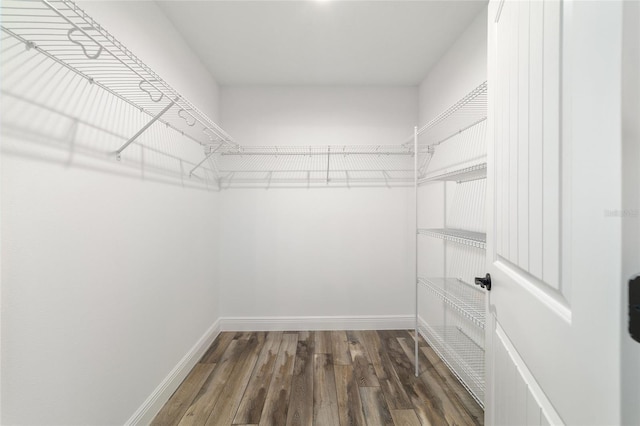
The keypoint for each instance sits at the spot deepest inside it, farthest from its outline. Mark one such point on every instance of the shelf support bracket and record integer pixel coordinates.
(213, 151)
(269, 180)
(386, 178)
(143, 129)
(328, 159)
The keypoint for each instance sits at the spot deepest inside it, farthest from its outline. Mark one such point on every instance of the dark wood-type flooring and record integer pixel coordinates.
(332, 378)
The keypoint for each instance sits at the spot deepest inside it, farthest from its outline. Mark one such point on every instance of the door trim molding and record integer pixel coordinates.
(550, 298)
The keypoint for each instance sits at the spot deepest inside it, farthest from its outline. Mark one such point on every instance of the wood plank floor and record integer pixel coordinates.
(332, 378)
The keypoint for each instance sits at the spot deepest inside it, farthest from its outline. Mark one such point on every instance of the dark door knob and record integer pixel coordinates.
(484, 282)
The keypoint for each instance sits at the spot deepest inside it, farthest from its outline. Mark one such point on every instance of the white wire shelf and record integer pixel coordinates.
(463, 356)
(467, 174)
(460, 236)
(323, 150)
(308, 179)
(464, 298)
(306, 166)
(62, 31)
(467, 112)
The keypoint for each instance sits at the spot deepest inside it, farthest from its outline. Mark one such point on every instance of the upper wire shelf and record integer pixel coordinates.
(328, 165)
(62, 31)
(460, 236)
(467, 174)
(466, 113)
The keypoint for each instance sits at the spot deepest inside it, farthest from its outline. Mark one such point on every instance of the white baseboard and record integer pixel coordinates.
(148, 410)
(378, 322)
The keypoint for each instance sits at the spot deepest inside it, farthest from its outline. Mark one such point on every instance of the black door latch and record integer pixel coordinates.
(634, 308)
(484, 282)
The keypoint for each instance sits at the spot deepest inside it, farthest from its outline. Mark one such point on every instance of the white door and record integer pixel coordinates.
(554, 225)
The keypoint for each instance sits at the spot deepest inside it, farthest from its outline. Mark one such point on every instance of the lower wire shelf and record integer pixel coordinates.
(463, 356)
(469, 301)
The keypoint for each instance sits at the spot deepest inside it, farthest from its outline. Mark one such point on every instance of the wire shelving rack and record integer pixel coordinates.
(458, 339)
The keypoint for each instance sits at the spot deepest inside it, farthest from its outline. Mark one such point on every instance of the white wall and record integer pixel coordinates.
(316, 252)
(144, 29)
(108, 278)
(300, 115)
(460, 70)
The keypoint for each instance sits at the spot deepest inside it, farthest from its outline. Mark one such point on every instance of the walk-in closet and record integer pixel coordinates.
(319, 212)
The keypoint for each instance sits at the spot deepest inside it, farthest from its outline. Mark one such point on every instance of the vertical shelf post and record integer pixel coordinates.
(328, 159)
(415, 189)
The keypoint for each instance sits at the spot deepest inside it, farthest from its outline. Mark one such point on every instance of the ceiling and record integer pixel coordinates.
(320, 42)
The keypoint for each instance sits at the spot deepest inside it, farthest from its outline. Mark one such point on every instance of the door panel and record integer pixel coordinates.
(528, 138)
(518, 396)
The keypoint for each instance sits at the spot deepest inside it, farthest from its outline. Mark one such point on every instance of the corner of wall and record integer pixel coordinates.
(161, 394)
(463, 67)
(175, 62)
(124, 323)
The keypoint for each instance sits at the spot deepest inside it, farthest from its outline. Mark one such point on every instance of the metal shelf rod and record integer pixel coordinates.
(415, 189)
(328, 161)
